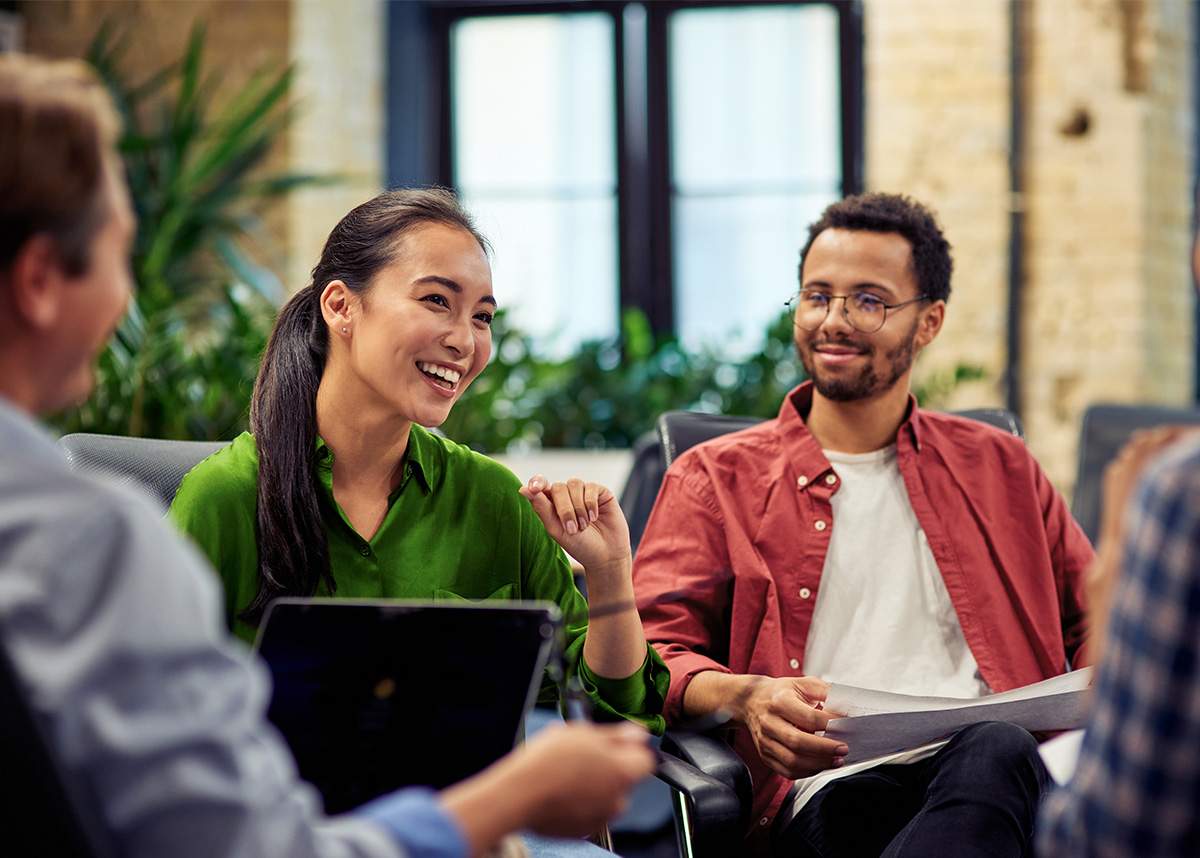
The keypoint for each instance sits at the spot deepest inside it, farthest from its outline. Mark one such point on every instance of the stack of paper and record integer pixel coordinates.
(878, 723)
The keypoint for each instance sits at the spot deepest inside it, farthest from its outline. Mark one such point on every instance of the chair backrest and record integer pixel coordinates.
(155, 465)
(999, 417)
(1104, 432)
(676, 431)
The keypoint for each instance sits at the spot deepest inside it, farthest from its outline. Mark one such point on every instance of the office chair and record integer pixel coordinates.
(1104, 432)
(710, 822)
(155, 466)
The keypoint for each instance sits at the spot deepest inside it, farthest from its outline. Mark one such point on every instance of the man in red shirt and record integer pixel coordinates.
(859, 539)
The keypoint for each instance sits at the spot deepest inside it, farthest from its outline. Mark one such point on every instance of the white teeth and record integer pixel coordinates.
(450, 375)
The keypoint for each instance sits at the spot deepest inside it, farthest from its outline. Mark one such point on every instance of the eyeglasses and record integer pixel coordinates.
(865, 312)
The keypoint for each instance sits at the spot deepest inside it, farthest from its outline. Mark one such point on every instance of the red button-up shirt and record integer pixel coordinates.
(730, 564)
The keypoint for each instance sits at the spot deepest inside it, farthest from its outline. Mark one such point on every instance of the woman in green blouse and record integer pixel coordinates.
(339, 489)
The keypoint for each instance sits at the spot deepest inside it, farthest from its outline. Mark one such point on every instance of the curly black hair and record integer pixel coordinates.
(876, 212)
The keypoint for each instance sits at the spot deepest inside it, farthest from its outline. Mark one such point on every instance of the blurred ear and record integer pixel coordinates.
(37, 281)
(930, 324)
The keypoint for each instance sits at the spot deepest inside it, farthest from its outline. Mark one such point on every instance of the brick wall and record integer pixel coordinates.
(1109, 141)
(242, 36)
(936, 116)
(339, 50)
(1110, 136)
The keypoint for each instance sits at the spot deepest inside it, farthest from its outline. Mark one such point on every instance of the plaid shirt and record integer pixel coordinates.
(1136, 790)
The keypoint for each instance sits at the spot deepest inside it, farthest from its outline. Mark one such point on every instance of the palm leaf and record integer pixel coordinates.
(182, 362)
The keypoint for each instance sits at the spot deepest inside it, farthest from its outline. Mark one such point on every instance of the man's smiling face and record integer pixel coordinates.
(845, 364)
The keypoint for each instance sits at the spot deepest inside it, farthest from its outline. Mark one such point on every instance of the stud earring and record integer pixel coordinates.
(343, 329)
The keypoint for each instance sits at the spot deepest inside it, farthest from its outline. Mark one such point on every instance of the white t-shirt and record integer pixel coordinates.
(883, 618)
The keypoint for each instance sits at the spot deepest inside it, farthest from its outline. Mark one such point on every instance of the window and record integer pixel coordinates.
(664, 155)
(534, 144)
(755, 157)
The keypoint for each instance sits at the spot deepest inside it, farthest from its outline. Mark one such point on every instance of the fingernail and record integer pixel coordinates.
(592, 514)
(535, 483)
(839, 761)
(572, 528)
(582, 523)
(842, 750)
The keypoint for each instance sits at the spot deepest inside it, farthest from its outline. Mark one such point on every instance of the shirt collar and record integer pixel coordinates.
(419, 459)
(795, 435)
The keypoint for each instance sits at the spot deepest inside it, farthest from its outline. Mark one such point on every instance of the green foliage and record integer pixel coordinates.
(610, 393)
(183, 361)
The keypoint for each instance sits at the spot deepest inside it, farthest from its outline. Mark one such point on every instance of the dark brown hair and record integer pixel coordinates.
(293, 552)
(878, 212)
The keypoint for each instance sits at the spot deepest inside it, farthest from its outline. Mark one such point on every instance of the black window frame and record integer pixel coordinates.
(420, 133)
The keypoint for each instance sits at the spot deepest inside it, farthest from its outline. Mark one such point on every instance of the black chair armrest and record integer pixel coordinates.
(708, 814)
(709, 753)
(712, 793)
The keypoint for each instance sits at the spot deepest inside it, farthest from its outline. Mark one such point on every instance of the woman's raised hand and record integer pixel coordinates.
(584, 518)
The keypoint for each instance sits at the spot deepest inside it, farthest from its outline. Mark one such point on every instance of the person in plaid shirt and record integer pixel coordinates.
(1136, 788)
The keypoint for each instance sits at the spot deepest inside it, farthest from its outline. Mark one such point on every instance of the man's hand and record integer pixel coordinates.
(567, 781)
(781, 716)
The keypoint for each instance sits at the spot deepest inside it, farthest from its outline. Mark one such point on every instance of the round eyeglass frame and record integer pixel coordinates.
(792, 301)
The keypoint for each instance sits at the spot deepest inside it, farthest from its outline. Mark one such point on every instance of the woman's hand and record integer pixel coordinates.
(585, 519)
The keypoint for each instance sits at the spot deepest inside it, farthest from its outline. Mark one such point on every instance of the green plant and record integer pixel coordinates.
(610, 393)
(182, 363)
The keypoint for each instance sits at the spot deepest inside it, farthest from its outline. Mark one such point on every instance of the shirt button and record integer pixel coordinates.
(805, 592)
(364, 550)
(802, 482)
(820, 525)
(795, 664)
(830, 479)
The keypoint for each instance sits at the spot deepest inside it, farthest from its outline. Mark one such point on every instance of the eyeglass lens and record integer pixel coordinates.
(864, 311)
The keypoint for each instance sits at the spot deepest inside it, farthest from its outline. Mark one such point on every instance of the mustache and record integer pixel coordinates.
(863, 347)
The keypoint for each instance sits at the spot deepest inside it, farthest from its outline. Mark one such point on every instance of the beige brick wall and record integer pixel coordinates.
(1107, 287)
(1109, 138)
(936, 116)
(338, 49)
(241, 37)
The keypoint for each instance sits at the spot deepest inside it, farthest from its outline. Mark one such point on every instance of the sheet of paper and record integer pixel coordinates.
(1061, 754)
(880, 723)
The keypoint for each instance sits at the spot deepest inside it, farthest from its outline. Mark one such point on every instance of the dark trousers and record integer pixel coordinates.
(977, 796)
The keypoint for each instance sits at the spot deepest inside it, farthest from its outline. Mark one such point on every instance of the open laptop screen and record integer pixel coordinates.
(375, 695)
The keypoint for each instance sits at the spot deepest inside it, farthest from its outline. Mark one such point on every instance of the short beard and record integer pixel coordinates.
(867, 383)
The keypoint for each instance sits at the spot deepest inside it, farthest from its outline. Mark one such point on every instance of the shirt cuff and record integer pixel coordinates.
(626, 695)
(417, 822)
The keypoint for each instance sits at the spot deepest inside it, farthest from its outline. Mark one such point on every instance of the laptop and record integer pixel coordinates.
(379, 694)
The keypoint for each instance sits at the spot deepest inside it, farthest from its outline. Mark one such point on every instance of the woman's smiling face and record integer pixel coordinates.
(422, 332)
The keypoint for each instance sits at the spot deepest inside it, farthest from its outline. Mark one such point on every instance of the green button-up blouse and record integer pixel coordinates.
(456, 528)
